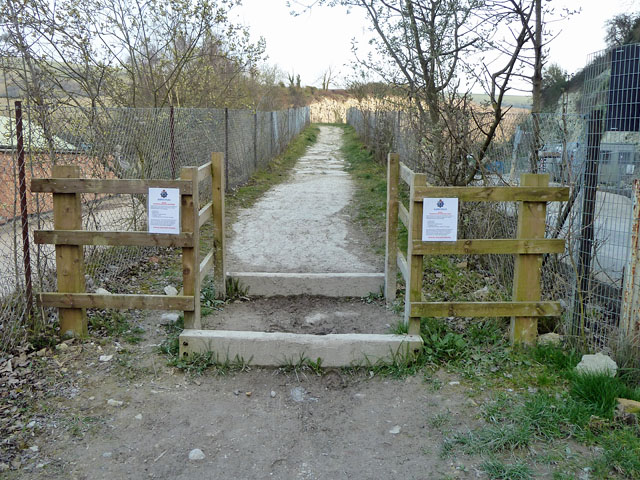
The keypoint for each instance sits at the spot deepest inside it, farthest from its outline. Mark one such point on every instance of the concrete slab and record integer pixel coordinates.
(278, 349)
(269, 284)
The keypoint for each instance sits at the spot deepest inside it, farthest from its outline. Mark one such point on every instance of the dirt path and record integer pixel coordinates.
(256, 424)
(110, 410)
(302, 225)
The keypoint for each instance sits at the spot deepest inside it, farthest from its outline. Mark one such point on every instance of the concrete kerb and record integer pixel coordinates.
(277, 348)
(269, 284)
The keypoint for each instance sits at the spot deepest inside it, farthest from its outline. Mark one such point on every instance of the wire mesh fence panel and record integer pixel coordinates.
(113, 144)
(595, 151)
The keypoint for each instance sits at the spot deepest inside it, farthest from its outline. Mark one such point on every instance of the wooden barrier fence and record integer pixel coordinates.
(68, 237)
(529, 247)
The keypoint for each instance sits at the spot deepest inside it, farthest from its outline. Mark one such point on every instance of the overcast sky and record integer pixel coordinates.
(312, 42)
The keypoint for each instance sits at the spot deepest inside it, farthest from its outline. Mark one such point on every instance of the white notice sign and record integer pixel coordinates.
(440, 220)
(164, 210)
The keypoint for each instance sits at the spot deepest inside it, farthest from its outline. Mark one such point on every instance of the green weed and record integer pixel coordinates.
(439, 420)
(198, 363)
(440, 344)
(621, 455)
(302, 363)
(208, 300)
(494, 438)
(498, 470)
(556, 358)
(236, 289)
(399, 328)
(598, 392)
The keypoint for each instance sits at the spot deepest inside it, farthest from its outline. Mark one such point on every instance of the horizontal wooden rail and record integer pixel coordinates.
(205, 214)
(402, 265)
(493, 246)
(495, 194)
(403, 214)
(486, 309)
(87, 185)
(206, 265)
(406, 174)
(143, 239)
(204, 172)
(94, 300)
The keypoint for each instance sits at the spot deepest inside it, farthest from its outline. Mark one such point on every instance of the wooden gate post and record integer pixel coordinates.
(67, 215)
(391, 250)
(527, 272)
(413, 292)
(218, 189)
(191, 255)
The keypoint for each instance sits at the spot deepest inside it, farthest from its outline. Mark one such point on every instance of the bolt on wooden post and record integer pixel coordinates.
(527, 273)
(67, 215)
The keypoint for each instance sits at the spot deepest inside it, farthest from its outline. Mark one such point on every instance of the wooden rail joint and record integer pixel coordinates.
(68, 238)
(528, 247)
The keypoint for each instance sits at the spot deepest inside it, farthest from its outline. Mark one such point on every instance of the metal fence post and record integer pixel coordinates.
(173, 143)
(255, 139)
(24, 214)
(587, 230)
(226, 148)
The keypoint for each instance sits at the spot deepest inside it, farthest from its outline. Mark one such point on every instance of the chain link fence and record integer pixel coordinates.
(597, 222)
(113, 143)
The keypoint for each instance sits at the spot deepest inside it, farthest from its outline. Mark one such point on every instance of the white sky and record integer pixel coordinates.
(312, 42)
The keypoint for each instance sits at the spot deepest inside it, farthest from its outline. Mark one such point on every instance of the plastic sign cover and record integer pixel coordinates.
(164, 210)
(440, 220)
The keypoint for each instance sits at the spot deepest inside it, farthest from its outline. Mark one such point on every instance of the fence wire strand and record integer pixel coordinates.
(115, 143)
(597, 221)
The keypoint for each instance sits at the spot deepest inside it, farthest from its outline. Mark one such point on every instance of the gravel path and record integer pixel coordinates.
(303, 225)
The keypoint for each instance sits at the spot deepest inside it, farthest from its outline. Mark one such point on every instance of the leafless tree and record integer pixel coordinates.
(426, 48)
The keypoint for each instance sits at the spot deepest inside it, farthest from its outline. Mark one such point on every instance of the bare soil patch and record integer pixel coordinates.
(258, 423)
(304, 314)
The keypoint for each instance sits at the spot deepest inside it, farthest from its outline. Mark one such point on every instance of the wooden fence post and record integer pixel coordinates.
(219, 264)
(527, 272)
(67, 215)
(391, 250)
(413, 292)
(190, 255)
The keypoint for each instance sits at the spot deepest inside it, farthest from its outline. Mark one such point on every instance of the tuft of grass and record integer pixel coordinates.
(598, 392)
(208, 300)
(495, 469)
(198, 363)
(494, 438)
(556, 358)
(236, 289)
(439, 420)
(620, 457)
(302, 364)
